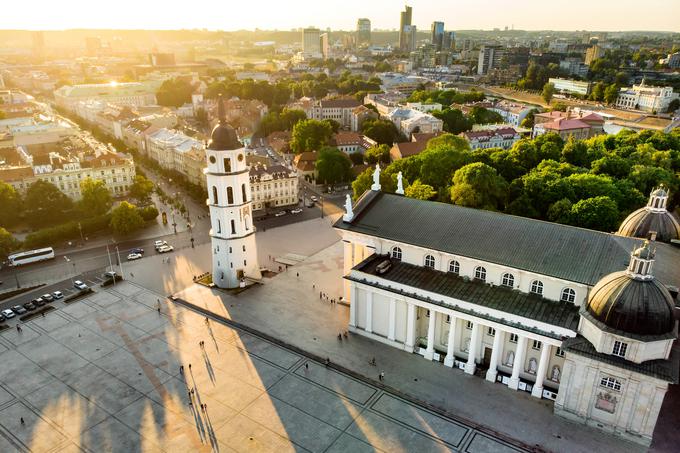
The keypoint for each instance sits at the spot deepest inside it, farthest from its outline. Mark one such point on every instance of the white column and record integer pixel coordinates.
(492, 372)
(393, 320)
(519, 362)
(369, 311)
(429, 352)
(353, 305)
(448, 361)
(470, 366)
(537, 390)
(410, 327)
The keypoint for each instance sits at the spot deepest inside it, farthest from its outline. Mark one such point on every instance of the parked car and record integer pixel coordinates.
(79, 285)
(29, 306)
(18, 309)
(313, 198)
(137, 250)
(134, 256)
(8, 313)
(47, 297)
(296, 211)
(39, 302)
(57, 295)
(159, 244)
(280, 213)
(2, 317)
(165, 249)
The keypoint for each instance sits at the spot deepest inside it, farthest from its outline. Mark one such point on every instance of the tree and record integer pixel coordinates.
(175, 92)
(363, 182)
(480, 115)
(454, 120)
(382, 131)
(478, 185)
(333, 166)
(611, 93)
(438, 164)
(10, 205)
(548, 92)
(420, 191)
(141, 189)
(125, 218)
(44, 201)
(8, 243)
(528, 120)
(575, 152)
(597, 93)
(356, 158)
(201, 118)
(674, 105)
(310, 135)
(598, 213)
(375, 154)
(560, 211)
(96, 198)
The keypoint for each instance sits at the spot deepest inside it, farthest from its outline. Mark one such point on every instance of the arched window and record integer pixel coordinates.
(396, 253)
(219, 226)
(454, 267)
(537, 287)
(227, 165)
(429, 261)
(244, 195)
(230, 195)
(508, 280)
(480, 273)
(215, 200)
(233, 227)
(568, 295)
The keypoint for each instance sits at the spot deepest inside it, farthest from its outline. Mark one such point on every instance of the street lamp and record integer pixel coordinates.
(68, 271)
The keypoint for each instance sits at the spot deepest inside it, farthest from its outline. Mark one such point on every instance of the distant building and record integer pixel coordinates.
(496, 138)
(672, 60)
(409, 121)
(449, 40)
(352, 142)
(593, 53)
(363, 32)
(574, 66)
(425, 108)
(437, 35)
(567, 125)
(273, 186)
(417, 145)
(359, 115)
(127, 93)
(339, 110)
(169, 147)
(405, 29)
(644, 97)
(512, 112)
(325, 45)
(162, 59)
(490, 57)
(571, 86)
(311, 43)
(305, 163)
(405, 84)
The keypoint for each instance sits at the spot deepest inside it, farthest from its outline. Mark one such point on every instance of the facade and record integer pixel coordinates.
(490, 57)
(647, 98)
(339, 110)
(410, 120)
(437, 35)
(232, 233)
(405, 29)
(593, 53)
(515, 300)
(496, 138)
(129, 93)
(570, 86)
(273, 186)
(574, 66)
(363, 32)
(359, 115)
(169, 147)
(512, 112)
(352, 142)
(311, 43)
(566, 124)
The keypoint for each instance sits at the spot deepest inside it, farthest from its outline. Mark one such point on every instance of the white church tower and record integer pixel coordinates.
(232, 234)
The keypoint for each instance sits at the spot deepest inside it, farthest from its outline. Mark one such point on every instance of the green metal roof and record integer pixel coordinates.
(509, 301)
(551, 249)
(660, 369)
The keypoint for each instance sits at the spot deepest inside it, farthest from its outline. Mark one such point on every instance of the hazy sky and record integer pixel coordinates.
(663, 15)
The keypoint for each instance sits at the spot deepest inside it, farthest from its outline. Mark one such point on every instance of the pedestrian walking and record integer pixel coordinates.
(189, 367)
(159, 309)
(297, 274)
(181, 369)
(132, 275)
(320, 295)
(372, 362)
(207, 321)
(192, 390)
(306, 365)
(328, 361)
(313, 286)
(340, 336)
(382, 375)
(22, 421)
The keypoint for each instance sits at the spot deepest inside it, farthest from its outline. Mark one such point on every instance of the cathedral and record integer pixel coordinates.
(584, 318)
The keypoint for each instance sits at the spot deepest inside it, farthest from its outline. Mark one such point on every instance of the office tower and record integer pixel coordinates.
(325, 43)
(437, 35)
(363, 31)
(311, 42)
(449, 40)
(490, 57)
(405, 29)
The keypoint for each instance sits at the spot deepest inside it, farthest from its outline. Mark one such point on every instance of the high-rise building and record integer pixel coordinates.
(363, 31)
(405, 29)
(234, 250)
(449, 41)
(325, 39)
(311, 43)
(437, 35)
(490, 57)
(593, 53)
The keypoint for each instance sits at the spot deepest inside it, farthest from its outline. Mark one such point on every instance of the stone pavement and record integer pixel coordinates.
(102, 374)
(289, 309)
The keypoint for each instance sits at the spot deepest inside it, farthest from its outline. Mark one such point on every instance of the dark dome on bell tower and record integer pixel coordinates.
(223, 137)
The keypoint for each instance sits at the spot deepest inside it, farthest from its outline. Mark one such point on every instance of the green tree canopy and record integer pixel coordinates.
(126, 218)
(333, 166)
(454, 120)
(598, 213)
(480, 115)
(8, 243)
(44, 201)
(141, 189)
(382, 131)
(96, 198)
(375, 154)
(10, 205)
(420, 191)
(175, 92)
(310, 135)
(478, 185)
(548, 92)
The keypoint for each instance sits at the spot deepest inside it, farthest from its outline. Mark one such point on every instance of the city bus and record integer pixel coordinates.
(31, 256)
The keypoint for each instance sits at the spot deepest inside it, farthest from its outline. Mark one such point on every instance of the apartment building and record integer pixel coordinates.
(273, 186)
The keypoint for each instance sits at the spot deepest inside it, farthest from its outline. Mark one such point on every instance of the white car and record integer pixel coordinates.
(159, 244)
(280, 213)
(134, 256)
(165, 249)
(57, 295)
(8, 313)
(296, 211)
(79, 285)
(313, 198)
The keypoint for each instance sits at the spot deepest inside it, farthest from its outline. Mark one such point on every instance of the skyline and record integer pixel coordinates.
(606, 15)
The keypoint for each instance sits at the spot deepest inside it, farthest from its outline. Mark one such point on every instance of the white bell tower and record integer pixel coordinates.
(234, 250)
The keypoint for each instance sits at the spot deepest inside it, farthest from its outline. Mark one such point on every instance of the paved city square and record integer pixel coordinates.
(103, 374)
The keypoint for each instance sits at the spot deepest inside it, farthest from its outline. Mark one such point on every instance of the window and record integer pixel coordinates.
(480, 273)
(536, 345)
(244, 248)
(568, 295)
(508, 280)
(227, 165)
(233, 227)
(559, 352)
(513, 338)
(214, 191)
(230, 195)
(427, 313)
(620, 348)
(448, 319)
(243, 193)
(219, 226)
(537, 287)
(429, 261)
(454, 267)
(469, 325)
(490, 331)
(610, 383)
(396, 253)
